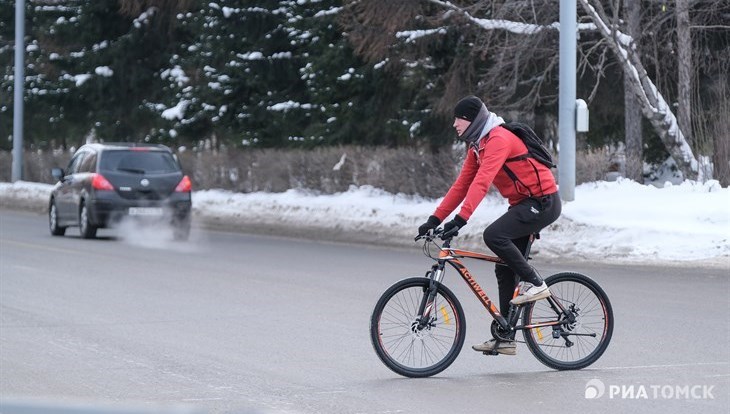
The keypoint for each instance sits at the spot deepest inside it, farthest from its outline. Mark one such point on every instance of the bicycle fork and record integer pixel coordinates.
(435, 276)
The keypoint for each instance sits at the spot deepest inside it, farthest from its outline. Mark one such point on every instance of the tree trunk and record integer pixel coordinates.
(720, 133)
(684, 52)
(634, 168)
(652, 103)
(721, 158)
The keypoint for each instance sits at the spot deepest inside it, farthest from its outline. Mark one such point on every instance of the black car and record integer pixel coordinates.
(105, 183)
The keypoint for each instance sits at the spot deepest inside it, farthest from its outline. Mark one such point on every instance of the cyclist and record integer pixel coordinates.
(533, 199)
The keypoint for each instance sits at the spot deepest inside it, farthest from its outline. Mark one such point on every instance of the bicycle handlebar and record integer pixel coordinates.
(432, 234)
(430, 238)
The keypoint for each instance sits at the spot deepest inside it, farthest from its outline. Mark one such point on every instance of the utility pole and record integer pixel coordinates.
(17, 171)
(566, 100)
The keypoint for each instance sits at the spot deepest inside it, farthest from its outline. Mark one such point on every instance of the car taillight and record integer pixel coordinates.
(185, 186)
(101, 183)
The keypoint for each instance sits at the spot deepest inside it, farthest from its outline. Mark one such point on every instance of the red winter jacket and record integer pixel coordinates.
(477, 174)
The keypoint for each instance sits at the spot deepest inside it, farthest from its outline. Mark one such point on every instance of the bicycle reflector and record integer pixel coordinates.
(446, 315)
(539, 333)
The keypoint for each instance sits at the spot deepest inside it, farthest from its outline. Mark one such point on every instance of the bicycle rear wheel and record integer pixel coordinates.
(407, 348)
(570, 345)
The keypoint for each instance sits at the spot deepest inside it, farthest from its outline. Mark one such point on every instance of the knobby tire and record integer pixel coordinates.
(597, 318)
(428, 351)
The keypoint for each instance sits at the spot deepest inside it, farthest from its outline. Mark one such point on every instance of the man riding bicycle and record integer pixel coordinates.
(492, 151)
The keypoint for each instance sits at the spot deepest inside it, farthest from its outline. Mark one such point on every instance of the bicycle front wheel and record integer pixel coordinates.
(576, 343)
(414, 349)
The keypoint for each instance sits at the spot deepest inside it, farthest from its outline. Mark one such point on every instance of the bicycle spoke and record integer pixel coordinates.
(590, 319)
(411, 342)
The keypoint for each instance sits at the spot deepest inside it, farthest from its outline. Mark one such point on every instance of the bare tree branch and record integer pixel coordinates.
(653, 105)
(715, 26)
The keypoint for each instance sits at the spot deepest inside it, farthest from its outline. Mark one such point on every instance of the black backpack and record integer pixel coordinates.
(535, 148)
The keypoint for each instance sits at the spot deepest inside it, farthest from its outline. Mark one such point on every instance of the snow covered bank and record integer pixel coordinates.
(619, 221)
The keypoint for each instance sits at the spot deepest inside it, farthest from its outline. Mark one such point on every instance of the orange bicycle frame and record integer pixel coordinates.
(452, 256)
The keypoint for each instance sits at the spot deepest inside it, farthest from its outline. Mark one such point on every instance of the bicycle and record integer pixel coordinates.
(418, 326)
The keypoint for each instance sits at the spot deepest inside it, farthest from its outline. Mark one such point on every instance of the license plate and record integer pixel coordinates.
(145, 211)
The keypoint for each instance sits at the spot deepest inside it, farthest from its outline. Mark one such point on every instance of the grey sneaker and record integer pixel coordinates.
(531, 293)
(504, 348)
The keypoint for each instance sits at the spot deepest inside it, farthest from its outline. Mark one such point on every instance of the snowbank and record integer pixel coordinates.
(619, 221)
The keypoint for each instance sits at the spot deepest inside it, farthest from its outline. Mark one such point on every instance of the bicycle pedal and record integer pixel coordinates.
(490, 353)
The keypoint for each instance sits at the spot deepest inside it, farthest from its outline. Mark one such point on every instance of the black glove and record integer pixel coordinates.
(430, 224)
(451, 229)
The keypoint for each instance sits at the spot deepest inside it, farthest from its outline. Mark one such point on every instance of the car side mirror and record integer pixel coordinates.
(57, 173)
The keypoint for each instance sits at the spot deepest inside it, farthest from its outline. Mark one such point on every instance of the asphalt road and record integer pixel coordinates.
(235, 323)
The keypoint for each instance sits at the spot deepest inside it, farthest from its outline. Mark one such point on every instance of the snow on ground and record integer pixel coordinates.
(620, 221)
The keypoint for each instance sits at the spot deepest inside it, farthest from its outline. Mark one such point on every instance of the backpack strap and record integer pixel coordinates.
(516, 180)
(519, 157)
(525, 156)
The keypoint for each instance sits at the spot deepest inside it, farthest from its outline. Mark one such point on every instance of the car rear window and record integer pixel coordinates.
(141, 162)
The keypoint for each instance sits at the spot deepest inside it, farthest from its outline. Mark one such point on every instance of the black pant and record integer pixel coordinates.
(507, 237)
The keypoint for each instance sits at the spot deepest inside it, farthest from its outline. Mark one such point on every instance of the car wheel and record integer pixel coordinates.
(56, 230)
(85, 228)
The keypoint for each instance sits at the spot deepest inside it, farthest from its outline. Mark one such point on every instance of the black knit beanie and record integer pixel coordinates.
(468, 108)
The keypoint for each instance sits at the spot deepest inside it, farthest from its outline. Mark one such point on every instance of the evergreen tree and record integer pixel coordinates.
(7, 51)
(280, 73)
(237, 80)
(89, 69)
(351, 100)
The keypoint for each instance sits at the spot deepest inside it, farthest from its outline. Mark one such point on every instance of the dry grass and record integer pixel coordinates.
(36, 165)
(326, 170)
